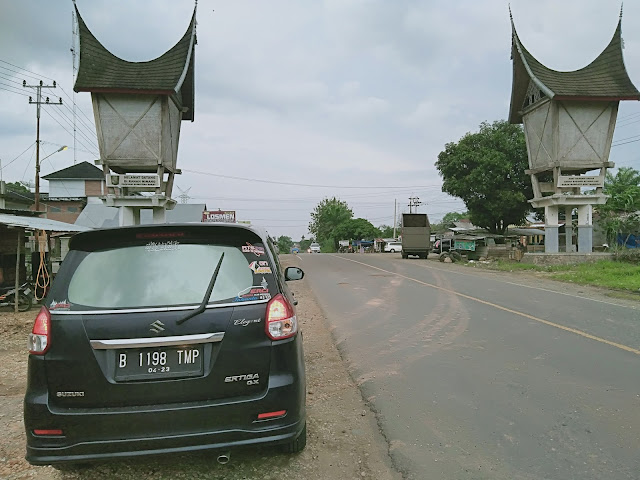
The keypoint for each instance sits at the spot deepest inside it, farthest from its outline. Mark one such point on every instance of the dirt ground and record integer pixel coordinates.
(344, 441)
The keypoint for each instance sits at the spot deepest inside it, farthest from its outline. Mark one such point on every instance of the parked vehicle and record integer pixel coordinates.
(416, 235)
(25, 297)
(393, 247)
(314, 248)
(161, 339)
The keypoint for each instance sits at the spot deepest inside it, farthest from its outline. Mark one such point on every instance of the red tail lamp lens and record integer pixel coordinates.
(281, 319)
(40, 336)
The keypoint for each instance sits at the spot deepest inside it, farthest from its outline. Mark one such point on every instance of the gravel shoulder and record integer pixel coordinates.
(344, 441)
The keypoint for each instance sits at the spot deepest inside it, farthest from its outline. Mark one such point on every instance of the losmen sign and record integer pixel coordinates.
(227, 216)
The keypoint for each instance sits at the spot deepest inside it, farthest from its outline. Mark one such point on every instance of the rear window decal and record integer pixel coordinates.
(63, 305)
(162, 246)
(257, 251)
(260, 267)
(251, 297)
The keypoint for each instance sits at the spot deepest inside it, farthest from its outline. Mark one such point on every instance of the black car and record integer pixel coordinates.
(165, 338)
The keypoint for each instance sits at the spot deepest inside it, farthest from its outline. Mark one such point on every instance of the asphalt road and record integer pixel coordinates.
(474, 375)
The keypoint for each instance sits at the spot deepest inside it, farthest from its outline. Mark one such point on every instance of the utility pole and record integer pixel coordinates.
(39, 102)
(395, 211)
(414, 202)
(74, 35)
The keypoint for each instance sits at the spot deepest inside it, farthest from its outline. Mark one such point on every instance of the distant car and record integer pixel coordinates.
(393, 247)
(162, 339)
(295, 250)
(314, 248)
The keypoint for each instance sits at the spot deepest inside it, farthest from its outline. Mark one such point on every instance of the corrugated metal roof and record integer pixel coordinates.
(97, 215)
(36, 223)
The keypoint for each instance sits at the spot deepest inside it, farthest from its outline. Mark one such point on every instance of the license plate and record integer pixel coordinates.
(158, 363)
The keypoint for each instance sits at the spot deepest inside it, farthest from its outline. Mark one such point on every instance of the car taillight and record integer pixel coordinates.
(40, 336)
(281, 320)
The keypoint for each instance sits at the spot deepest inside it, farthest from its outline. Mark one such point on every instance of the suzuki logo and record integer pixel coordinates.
(156, 326)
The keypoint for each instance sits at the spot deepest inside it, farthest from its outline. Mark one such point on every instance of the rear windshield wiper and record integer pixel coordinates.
(206, 298)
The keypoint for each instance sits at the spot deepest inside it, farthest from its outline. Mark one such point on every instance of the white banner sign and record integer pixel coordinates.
(129, 180)
(580, 181)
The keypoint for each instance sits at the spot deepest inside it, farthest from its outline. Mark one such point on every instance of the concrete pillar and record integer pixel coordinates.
(159, 215)
(551, 229)
(126, 216)
(585, 229)
(568, 229)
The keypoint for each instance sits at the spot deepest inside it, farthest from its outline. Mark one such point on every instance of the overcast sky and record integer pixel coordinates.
(338, 93)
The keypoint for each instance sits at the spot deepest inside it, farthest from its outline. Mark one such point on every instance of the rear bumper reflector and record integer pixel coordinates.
(54, 431)
(264, 416)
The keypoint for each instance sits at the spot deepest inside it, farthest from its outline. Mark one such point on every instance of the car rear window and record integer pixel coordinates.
(162, 273)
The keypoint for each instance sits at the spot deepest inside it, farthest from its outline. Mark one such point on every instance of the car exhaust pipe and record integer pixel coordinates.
(224, 458)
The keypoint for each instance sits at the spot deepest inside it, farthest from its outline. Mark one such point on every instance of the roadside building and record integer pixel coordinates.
(71, 189)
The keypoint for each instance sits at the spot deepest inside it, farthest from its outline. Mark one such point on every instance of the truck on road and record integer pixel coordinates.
(416, 235)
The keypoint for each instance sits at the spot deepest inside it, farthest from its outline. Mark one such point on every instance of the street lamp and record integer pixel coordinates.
(64, 147)
(38, 162)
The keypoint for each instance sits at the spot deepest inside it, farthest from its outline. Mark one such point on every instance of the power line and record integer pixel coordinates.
(21, 73)
(37, 77)
(70, 123)
(11, 86)
(65, 129)
(624, 143)
(297, 184)
(5, 166)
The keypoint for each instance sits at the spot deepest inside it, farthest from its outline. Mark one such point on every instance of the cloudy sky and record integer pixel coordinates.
(346, 98)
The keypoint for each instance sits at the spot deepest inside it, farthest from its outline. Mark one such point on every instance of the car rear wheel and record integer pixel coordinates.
(392, 251)
(299, 443)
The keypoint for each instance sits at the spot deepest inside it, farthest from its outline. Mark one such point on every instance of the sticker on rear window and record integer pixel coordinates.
(63, 305)
(260, 267)
(257, 251)
(162, 246)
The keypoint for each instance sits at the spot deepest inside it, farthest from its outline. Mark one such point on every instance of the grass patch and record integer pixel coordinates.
(605, 273)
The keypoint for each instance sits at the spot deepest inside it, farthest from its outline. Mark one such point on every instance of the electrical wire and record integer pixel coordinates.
(231, 177)
(17, 93)
(65, 129)
(5, 166)
(91, 123)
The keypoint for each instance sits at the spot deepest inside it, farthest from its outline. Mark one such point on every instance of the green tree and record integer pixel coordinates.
(620, 214)
(18, 187)
(285, 244)
(326, 217)
(386, 231)
(447, 221)
(304, 244)
(487, 171)
(356, 229)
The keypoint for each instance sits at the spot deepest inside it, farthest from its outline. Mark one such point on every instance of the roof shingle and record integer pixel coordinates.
(80, 171)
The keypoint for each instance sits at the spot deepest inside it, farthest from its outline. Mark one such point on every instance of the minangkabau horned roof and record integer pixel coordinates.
(169, 74)
(604, 79)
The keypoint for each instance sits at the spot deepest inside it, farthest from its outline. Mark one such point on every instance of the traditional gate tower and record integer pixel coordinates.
(569, 118)
(138, 108)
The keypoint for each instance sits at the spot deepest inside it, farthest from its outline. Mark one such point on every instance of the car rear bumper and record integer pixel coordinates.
(93, 435)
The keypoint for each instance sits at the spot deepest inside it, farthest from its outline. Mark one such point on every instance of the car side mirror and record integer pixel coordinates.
(293, 273)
